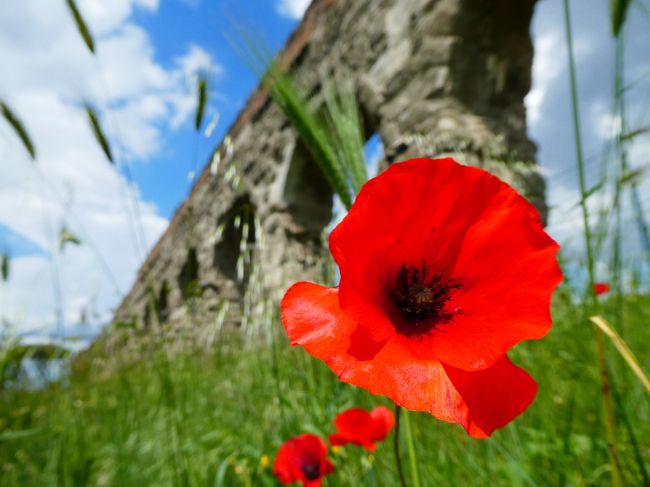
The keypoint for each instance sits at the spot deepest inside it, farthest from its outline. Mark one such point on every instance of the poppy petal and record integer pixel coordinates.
(312, 318)
(358, 426)
(467, 223)
(508, 272)
(480, 401)
(384, 420)
(493, 396)
(337, 439)
(412, 204)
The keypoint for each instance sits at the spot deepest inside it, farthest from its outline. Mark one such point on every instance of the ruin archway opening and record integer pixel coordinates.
(307, 193)
(373, 150)
(188, 278)
(146, 316)
(234, 251)
(162, 303)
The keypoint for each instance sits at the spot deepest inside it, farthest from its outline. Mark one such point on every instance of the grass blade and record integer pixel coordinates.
(66, 237)
(220, 478)
(634, 133)
(18, 435)
(19, 128)
(82, 27)
(310, 129)
(346, 132)
(632, 176)
(99, 133)
(618, 12)
(202, 98)
(623, 349)
(634, 442)
(4, 266)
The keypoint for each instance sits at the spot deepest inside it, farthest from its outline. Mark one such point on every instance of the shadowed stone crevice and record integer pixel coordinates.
(146, 316)
(307, 195)
(233, 252)
(188, 277)
(163, 302)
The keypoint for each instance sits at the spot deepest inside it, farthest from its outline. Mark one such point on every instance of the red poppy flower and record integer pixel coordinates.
(601, 288)
(361, 427)
(303, 459)
(443, 268)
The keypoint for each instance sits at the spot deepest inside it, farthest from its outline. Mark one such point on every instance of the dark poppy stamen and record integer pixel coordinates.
(311, 470)
(422, 296)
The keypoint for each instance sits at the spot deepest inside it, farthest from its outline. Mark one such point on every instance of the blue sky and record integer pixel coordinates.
(176, 25)
(142, 82)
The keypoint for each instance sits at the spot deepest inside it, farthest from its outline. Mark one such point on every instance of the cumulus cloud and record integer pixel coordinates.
(51, 74)
(294, 9)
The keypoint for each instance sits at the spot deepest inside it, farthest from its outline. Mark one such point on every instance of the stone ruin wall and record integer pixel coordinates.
(433, 77)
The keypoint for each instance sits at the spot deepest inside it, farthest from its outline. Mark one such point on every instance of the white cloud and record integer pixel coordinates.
(548, 63)
(294, 9)
(106, 16)
(606, 125)
(49, 75)
(198, 60)
(149, 4)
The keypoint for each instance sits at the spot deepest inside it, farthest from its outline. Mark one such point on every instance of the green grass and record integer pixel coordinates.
(151, 417)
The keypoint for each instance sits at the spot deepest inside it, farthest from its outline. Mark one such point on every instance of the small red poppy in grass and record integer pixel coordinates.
(303, 459)
(601, 288)
(444, 268)
(361, 427)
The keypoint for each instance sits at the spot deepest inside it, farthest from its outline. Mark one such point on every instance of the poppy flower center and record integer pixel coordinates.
(421, 297)
(311, 470)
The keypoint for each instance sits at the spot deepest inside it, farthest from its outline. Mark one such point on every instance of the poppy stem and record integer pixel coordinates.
(398, 461)
(413, 461)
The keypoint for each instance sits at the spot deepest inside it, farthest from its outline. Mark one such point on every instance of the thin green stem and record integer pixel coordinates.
(136, 226)
(619, 93)
(610, 416)
(55, 273)
(619, 108)
(630, 431)
(579, 155)
(602, 360)
(415, 472)
(398, 460)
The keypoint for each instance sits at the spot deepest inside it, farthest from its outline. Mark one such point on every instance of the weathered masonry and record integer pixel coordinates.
(433, 77)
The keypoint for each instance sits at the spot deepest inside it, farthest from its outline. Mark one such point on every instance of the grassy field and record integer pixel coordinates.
(161, 413)
(217, 418)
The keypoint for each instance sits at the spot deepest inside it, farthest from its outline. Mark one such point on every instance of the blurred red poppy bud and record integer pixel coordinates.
(601, 288)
